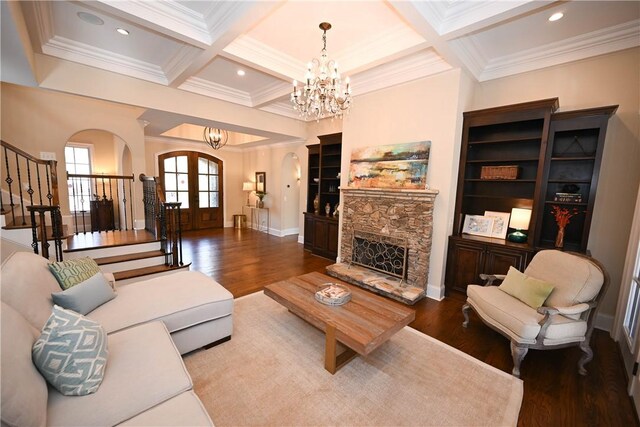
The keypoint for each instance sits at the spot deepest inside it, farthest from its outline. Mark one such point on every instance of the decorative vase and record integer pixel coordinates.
(327, 209)
(560, 238)
(316, 204)
(261, 203)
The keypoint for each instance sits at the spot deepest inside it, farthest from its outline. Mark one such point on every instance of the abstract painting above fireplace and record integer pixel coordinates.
(390, 166)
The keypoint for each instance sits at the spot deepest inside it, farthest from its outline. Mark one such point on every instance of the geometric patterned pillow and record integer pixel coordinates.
(71, 353)
(71, 272)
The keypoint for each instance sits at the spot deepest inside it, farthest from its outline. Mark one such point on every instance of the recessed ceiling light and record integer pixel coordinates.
(556, 16)
(90, 18)
(122, 31)
(241, 73)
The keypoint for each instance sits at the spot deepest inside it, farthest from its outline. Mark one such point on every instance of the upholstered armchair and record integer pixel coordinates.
(565, 317)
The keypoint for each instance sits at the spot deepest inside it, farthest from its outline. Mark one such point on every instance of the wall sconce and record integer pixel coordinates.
(520, 219)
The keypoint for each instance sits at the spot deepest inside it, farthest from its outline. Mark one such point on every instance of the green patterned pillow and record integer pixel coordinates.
(71, 353)
(74, 271)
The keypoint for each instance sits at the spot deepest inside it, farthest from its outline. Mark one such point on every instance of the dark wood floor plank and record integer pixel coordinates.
(244, 261)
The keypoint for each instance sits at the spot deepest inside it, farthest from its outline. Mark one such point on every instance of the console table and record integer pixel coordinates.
(255, 215)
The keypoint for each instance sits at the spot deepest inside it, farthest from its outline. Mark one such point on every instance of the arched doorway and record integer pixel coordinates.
(195, 180)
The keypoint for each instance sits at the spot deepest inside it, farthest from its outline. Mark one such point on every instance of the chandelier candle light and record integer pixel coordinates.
(323, 94)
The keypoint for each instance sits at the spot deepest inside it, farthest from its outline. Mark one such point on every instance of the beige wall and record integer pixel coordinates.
(270, 159)
(426, 109)
(232, 169)
(604, 80)
(38, 120)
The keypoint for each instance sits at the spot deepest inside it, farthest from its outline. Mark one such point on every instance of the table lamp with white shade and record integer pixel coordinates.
(248, 187)
(520, 219)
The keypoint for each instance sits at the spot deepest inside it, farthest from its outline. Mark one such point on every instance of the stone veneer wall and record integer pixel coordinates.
(400, 213)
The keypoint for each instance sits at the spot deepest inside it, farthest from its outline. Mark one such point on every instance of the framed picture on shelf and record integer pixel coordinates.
(478, 225)
(500, 223)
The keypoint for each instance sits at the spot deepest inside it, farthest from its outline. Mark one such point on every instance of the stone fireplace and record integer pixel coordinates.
(394, 227)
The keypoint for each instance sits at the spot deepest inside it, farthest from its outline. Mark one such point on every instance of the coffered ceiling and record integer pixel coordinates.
(199, 46)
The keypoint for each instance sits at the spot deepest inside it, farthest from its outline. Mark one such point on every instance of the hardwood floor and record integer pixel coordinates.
(555, 394)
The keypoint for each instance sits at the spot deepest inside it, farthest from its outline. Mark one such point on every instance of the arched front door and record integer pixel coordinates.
(195, 179)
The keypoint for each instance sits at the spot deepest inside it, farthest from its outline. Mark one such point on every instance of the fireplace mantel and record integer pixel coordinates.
(389, 192)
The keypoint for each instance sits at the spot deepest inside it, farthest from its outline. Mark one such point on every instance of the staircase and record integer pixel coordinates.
(131, 255)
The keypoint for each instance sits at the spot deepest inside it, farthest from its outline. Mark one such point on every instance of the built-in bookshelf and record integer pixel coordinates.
(555, 159)
(321, 229)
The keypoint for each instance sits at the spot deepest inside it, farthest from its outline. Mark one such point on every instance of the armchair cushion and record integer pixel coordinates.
(575, 279)
(529, 290)
(519, 321)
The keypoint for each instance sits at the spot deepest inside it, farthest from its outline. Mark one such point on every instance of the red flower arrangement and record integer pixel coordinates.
(563, 215)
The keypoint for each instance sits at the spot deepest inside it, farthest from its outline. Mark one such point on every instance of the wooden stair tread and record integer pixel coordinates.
(128, 257)
(144, 271)
(89, 241)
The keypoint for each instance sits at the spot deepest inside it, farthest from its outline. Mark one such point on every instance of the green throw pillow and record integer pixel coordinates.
(71, 353)
(530, 291)
(74, 271)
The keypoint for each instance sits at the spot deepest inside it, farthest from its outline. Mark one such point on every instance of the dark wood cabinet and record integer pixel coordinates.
(553, 153)
(470, 256)
(324, 163)
(321, 235)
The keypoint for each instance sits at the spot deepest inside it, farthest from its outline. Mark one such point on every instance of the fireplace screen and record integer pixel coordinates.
(380, 252)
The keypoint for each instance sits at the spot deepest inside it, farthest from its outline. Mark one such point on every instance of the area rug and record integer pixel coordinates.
(272, 373)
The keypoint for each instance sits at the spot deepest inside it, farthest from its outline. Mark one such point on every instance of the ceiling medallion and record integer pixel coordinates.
(323, 94)
(215, 138)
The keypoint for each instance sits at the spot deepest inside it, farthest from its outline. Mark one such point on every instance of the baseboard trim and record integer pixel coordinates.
(289, 231)
(604, 322)
(435, 292)
(300, 239)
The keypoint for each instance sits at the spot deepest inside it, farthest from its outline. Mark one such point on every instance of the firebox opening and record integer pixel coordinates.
(380, 252)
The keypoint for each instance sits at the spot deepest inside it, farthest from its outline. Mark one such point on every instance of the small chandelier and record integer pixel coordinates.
(215, 138)
(323, 94)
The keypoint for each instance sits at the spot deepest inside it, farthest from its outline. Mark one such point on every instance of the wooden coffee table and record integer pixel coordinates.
(361, 325)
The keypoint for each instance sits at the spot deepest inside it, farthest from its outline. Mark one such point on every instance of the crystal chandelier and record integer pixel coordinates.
(215, 138)
(323, 94)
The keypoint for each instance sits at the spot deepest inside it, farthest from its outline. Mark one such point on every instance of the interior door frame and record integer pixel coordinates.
(630, 351)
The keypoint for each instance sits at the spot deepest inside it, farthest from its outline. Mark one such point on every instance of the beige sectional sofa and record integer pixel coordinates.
(149, 325)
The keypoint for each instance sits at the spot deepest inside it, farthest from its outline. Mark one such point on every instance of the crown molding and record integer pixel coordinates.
(169, 15)
(43, 16)
(269, 93)
(462, 17)
(180, 61)
(282, 109)
(468, 52)
(422, 64)
(392, 39)
(72, 50)
(174, 140)
(215, 90)
(221, 16)
(603, 41)
(265, 57)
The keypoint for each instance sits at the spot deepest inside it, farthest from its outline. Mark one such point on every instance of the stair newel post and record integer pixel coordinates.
(74, 207)
(131, 198)
(56, 222)
(41, 227)
(180, 234)
(163, 232)
(34, 231)
(82, 211)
